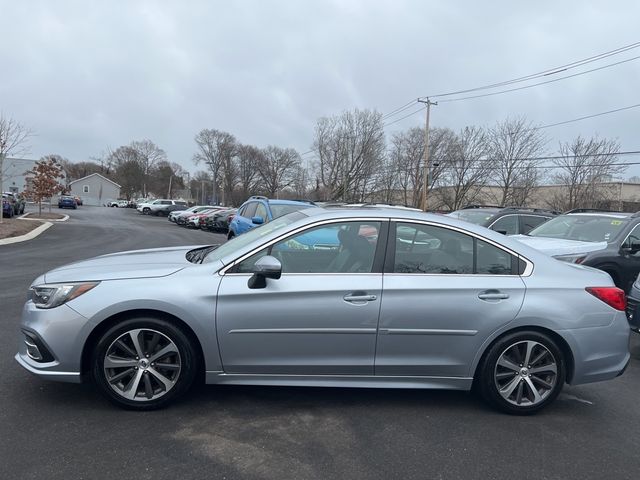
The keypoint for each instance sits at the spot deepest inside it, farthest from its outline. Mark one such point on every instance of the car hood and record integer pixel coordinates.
(560, 246)
(156, 262)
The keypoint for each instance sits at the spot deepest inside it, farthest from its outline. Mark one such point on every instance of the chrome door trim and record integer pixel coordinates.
(304, 330)
(427, 331)
(529, 264)
(223, 271)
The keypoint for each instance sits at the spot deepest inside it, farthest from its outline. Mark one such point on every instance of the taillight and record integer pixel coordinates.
(612, 296)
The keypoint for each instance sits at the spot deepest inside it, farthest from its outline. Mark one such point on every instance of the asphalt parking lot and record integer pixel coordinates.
(67, 431)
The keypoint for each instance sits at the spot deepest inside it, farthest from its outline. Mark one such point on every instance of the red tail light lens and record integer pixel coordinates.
(612, 296)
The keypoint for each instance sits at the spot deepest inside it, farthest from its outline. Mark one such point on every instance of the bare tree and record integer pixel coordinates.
(149, 155)
(467, 169)
(248, 159)
(215, 149)
(13, 141)
(127, 170)
(585, 167)
(513, 146)
(278, 168)
(350, 148)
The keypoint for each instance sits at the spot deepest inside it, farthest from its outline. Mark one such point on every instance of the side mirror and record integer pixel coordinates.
(265, 267)
(257, 220)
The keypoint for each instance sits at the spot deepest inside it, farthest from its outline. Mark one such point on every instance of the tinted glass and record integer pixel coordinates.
(261, 211)
(429, 249)
(529, 222)
(586, 228)
(280, 210)
(250, 210)
(492, 260)
(252, 235)
(507, 225)
(347, 247)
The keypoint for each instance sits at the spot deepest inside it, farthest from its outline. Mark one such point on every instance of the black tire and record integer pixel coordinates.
(230, 235)
(187, 360)
(487, 374)
(146, 210)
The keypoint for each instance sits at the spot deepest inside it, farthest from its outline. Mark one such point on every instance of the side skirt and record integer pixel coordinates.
(349, 381)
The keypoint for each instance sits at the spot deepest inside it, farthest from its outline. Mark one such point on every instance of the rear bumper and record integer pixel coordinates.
(599, 353)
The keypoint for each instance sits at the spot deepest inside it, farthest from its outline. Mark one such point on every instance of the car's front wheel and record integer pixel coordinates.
(522, 372)
(144, 363)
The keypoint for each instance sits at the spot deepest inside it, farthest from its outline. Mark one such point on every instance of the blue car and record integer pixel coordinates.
(258, 210)
(66, 201)
(7, 208)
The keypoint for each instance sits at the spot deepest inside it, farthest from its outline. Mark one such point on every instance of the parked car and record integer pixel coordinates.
(609, 241)
(219, 221)
(173, 215)
(77, 199)
(258, 210)
(459, 305)
(193, 220)
(8, 209)
(159, 206)
(67, 201)
(17, 202)
(180, 218)
(118, 203)
(505, 220)
(633, 306)
(165, 209)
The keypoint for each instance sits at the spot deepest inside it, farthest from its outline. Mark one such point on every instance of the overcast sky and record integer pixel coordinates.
(89, 75)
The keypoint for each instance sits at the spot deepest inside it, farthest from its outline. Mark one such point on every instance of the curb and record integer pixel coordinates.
(24, 217)
(27, 236)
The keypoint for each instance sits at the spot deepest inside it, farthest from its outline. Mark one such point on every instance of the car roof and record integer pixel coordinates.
(601, 214)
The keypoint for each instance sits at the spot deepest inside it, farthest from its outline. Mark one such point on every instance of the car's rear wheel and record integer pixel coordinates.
(144, 363)
(146, 210)
(522, 373)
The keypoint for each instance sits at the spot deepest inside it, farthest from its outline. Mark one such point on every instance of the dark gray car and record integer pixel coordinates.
(356, 297)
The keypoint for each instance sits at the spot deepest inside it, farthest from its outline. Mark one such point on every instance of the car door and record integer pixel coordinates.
(320, 317)
(445, 292)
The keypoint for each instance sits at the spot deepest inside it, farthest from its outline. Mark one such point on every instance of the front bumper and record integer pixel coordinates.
(59, 332)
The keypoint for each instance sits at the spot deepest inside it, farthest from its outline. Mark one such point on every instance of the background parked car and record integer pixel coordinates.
(193, 220)
(159, 206)
(505, 220)
(78, 199)
(17, 202)
(609, 241)
(7, 206)
(633, 306)
(180, 218)
(67, 201)
(219, 221)
(258, 210)
(166, 208)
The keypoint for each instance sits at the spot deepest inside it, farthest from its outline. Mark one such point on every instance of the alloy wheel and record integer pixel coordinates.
(526, 373)
(142, 364)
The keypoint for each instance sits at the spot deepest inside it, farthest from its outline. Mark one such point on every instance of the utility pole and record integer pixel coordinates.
(425, 173)
(169, 193)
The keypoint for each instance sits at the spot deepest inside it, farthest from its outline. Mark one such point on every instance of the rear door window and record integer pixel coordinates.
(507, 225)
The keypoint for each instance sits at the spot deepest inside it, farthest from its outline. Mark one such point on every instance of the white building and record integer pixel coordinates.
(14, 174)
(94, 189)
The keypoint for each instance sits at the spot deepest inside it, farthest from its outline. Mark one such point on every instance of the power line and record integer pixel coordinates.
(587, 116)
(406, 116)
(540, 83)
(399, 109)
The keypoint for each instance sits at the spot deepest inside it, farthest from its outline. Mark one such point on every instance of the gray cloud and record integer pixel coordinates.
(88, 75)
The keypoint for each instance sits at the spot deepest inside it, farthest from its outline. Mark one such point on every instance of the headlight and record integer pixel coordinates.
(53, 295)
(576, 258)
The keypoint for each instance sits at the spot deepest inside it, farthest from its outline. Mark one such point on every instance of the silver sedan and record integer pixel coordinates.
(342, 297)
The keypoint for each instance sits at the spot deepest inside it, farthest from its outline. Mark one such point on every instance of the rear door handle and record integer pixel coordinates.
(493, 295)
(359, 297)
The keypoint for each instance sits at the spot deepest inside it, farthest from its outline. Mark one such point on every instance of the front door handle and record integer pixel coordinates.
(358, 297)
(493, 295)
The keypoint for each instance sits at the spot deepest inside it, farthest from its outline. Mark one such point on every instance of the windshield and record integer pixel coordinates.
(281, 210)
(585, 228)
(243, 240)
(479, 217)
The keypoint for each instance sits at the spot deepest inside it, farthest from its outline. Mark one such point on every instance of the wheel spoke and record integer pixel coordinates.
(167, 366)
(154, 343)
(171, 348)
(164, 380)
(132, 387)
(506, 363)
(499, 376)
(533, 389)
(508, 389)
(148, 389)
(121, 375)
(123, 346)
(118, 362)
(527, 356)
(551, 368)
(538, 357)
(135, 338)
(519, 393)
(541, 382)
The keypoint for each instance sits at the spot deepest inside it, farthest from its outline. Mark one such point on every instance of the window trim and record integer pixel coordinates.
(629, 234)
(379, 255)
(391, 244)
(85, 189)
